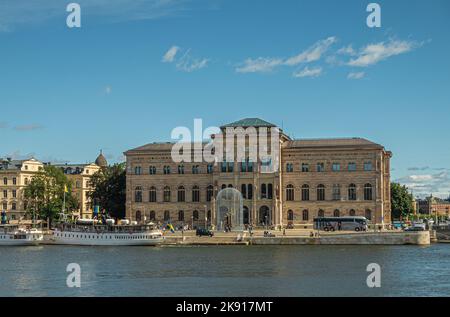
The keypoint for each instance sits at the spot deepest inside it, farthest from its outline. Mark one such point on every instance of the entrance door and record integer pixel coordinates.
(264, 216)
(246, 216)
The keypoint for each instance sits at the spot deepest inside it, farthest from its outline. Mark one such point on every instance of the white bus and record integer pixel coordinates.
(356, 223)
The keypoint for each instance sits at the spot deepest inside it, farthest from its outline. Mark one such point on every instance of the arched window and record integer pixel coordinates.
(166, 169)
(305, 215)
(305, 192)
(138, 194)
(244, 191)
(152, 170)
(137, 170)
(138, 216)
(290, 192)
(166, 215)
(321, 213)
(195, 215)
(368, 192)
(209, 193)
(352, 212)
(263, 191)
(5, 181)
(224, 186)
(321, 192)
(249, 191)
(230, 186)
(195, 169)
(181, 215)
(368, 214)
(152, 215)
(181, 194)
(336, 213)
(269, 191)
(13, 206)
(167, 194)
(195, 194)
(352, 192)
(290, 215)
(152, 194)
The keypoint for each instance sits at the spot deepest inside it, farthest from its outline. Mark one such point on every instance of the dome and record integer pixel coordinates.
(101, 160)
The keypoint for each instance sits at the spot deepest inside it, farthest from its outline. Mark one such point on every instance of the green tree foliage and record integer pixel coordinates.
(109, 189)
(401, 201)
(45, 194)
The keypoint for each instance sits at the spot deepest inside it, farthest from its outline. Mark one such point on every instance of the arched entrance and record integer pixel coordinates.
(229, 210)
(264, 216)
(246, 216)
(138, 216)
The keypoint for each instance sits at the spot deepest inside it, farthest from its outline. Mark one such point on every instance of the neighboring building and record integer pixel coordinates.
(14, 176)
(80, 176)
(315, 178)
(432, 205)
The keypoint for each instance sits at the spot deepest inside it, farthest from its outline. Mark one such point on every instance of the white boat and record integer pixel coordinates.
(13, 235)
(92, 233)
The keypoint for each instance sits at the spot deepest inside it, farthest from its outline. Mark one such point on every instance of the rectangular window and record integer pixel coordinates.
(336, 167)
(320, 167)
(305, 167)
(352, 167)
(209, 169)
(368, 166)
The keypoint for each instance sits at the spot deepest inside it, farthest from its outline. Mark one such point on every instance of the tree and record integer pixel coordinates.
(45, 194)
(109, 190)
(401, 201)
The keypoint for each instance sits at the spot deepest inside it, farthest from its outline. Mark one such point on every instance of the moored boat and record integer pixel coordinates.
(13, 235)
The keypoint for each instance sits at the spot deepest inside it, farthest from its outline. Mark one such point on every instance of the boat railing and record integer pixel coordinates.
(104, 228)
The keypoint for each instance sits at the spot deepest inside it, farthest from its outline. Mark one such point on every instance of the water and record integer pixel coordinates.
(226, 270)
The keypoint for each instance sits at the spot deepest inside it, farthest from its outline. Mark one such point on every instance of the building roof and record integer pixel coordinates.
(101, 160)
(157, 146)
(249, 122)
(9, 164)
(333, 143)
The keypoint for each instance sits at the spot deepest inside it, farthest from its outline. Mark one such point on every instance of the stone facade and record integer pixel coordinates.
(14, 177)
(434, 206)
(320, 177)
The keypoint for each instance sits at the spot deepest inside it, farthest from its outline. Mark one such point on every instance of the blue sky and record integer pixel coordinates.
(137, 69)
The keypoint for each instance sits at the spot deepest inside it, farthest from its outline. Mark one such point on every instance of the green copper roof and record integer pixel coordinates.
(249, 122)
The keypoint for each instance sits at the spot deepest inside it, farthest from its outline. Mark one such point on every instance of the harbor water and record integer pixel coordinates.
(295, 270)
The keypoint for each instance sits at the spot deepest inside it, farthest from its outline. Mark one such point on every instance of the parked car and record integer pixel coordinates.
(415, 228)
(204, 232)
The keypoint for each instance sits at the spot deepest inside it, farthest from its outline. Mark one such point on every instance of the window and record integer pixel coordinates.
(244, 191)
(289, 192)
(195, 215)
(209, 169)
(321, 213)
(368, 214)
(368, 192)
(5, 181)
(336, 213)
(181, 215)
(138, 194)
(290, 215)
(26, 181)
(137, 170)
(305, 167)
(336, 167)
(351, 167)
(230, 167)
(336, 192)
(247, 166)
(5, 193)
(305, 215)
(152, 195)
(13, 206)
(352, 212)
(152, 170)
(166, 197)
(195, 169)
(321, 192)
(227, 167)
(352, 192)
(249, 191)
(5, 206)
(166, 169)
(195, 194)
(289, 167)
(269, 191)
(224, 186)
(180, 169)
(166, 215)
(138, 216)
(321, 167)
(368, 166)
(152, 215)
(14, 193)
(263, 191)
(181, 194)
(305, 192)
(209, 192)
(14, 181)
(223, 167)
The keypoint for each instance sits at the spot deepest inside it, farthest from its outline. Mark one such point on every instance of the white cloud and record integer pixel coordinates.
(170, 54)
(267, 64)
(426, 184)
(347, 50)
(312, 54)
(190, 65)
(357, 75)
(374, 53)
(307, 72)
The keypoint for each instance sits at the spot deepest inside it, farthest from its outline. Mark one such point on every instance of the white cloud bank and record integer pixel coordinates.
(170, 54)
(308, 72)
(186, 63)
(357, 75)
(425, 184)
